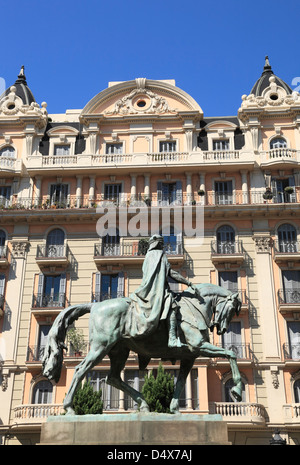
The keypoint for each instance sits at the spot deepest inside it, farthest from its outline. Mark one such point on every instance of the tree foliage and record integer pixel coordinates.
(158, 392)
(87, 401)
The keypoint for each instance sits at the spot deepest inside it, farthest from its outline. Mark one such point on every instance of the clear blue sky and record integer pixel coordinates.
(214, 50)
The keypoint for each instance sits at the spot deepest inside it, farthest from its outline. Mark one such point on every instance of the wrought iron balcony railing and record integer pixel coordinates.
(227, 247)
(289, 296)
(291, 351)
(100, 297)
(286, 247)
(134, 248)
(53, 300)
(52, 251)
(242, 350)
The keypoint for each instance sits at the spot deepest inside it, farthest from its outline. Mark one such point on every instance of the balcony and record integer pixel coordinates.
(289, 300)
(133, 251)
(291, 414)
(35, 353)
(286, 251)
(242, 350)
(4, 256)
(240, 412)
(54, 301)
(280, 157)
(36, 413)
(227, 252)
(52, 255)
(11, 165)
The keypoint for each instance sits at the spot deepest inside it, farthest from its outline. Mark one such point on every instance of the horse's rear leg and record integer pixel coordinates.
(118, 360)
(93, 357)
(185, 368)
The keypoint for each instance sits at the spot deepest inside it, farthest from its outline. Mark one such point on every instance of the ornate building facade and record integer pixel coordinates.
(146, 143)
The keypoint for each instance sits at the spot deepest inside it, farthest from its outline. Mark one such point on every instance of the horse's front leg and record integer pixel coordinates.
(92, 358)
(209, 350)
(185, 368)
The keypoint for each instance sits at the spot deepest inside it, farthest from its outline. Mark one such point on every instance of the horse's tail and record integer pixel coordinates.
(53, 353)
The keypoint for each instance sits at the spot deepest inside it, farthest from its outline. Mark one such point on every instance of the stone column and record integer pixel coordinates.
(79, 191)
(92, 190)
(244, 187)
(189, 400)
(147, 186)
(189, 194)
(38, 187)
(202, 186)
(133, 187)
(203, 389)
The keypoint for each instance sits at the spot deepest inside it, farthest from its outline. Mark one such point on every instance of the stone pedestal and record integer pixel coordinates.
(135, 429)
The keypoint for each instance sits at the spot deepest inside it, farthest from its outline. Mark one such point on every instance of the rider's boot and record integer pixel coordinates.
(173, 341)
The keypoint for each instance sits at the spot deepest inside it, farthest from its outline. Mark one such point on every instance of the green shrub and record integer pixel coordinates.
(158, 392)
(87, 401)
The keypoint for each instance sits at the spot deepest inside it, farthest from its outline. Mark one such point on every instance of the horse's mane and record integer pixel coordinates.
(212, 289)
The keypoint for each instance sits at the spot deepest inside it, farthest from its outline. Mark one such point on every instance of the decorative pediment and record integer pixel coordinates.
(141, 97)
(141, 100)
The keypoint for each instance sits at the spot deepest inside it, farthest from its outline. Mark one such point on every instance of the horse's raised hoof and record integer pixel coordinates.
(174, 407)
(236, 393)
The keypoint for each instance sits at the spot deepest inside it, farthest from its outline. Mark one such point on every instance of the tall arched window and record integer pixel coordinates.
(55, 243)
(297, 391)
(111, 244)
(278, 143)
(42, 393)
(225, 240)
(287, 238)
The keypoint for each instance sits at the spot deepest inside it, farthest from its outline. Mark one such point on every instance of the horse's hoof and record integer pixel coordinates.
(69, 411)
(236, 394)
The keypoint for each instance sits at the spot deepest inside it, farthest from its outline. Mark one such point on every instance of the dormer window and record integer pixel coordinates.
(167, 146)
(220, 145)
(278, 143)
(114, 148)
(8, 151)
(61, 150)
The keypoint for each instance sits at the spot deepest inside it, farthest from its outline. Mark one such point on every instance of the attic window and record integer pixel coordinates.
(274, 97)
(141, 103)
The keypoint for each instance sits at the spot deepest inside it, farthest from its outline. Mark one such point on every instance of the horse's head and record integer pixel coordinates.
(225, 309)
(52, 360)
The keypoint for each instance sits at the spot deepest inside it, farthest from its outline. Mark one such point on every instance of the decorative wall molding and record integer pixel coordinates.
(263, 243)
(20, 248)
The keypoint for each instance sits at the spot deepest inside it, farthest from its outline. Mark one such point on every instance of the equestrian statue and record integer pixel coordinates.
(154, 322)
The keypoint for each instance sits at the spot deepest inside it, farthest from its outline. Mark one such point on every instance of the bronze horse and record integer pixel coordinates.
(215, 308)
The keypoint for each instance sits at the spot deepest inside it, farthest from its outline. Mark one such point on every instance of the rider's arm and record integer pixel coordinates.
(178, 277)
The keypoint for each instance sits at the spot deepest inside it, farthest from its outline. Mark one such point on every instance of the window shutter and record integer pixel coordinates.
(97, 292)
(292, 184)
(179, 192)
(2, 284)
(120, 284)
(62, 290)
(159, 191)
(39, 299)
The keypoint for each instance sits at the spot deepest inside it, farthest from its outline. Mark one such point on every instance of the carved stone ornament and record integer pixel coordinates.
(151, 102)
(20, 248)
(12, 105)
(263, 243)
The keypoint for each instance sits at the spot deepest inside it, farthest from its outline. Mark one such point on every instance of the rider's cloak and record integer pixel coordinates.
(152, 301)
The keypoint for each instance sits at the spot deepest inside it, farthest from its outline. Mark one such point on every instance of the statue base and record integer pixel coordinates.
(135, 429)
